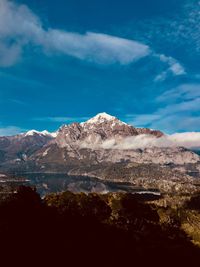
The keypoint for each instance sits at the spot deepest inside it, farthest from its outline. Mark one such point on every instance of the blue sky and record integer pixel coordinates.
(67, 61)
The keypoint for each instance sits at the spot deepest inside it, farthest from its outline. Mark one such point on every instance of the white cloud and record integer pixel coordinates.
(141, 119)
(9, 54)
(177, 122)
(61, 119)
(19, 26)
(179, 31)
(10, 130)
(189, 140)
(178, 111)
(182, 92)
(184, 106)
(181, 107)
(175, 68)
(95, 47)
(140, 141)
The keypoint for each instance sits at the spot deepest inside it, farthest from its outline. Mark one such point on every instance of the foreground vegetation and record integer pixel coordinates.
(97, 230)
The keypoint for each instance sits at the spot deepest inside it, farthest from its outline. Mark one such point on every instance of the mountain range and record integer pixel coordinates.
(106, 148)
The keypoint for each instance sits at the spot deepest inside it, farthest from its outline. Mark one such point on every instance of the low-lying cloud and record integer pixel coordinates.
(189, 140)
(10, 130)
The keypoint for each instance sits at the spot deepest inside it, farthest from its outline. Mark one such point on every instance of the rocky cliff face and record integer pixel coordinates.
(20, 147)
(94, 132)
(98, 140)
(95, 148)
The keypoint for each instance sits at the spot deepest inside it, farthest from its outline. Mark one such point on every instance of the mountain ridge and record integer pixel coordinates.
(106, 148)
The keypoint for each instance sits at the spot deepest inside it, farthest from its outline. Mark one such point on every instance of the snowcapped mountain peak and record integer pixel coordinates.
(31, 133)
(101, 118)
(42, 133)
(54, 134)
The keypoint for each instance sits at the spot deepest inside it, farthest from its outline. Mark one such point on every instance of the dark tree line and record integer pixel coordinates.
(88, 230)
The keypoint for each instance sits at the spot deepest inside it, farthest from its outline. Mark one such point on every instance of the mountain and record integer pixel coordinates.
(37, 133)
(106, 148)
(18, 148)
(94, 132)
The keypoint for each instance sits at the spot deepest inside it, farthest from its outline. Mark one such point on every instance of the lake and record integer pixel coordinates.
(46, 183)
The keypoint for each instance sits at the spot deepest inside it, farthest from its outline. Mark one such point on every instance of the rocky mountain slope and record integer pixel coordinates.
(98, 130)
(19, 147)
(104, 147)
(101, 139)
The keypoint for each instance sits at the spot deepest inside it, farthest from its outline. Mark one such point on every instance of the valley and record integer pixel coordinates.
(108, 177)
(106, 149)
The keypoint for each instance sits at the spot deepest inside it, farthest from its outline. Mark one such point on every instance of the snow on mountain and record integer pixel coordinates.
(110, 132)
(144, 138)
(32, 132)
(54, 134)
(103, 130)
(102, 118)
(42, 133)
(103, 139)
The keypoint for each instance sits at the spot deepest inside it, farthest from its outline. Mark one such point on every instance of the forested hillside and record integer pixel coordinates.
(114, 229)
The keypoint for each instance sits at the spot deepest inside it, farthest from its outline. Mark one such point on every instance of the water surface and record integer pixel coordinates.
(46, 183)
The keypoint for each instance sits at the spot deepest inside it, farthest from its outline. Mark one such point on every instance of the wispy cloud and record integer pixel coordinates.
(180, 30)
(183, 99)
(18, 102)
(186, 28)
(177, 123)
(61, 119)
(10, 130)
(174, 68)
(184, 106)
(178, 110)
(141, 120)
(20, 27)
(182, 92)
(95, 47)
(9, 54)
(181, 107)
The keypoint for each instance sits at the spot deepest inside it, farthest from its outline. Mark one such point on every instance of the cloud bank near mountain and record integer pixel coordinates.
(189, 140)
(10, 130)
